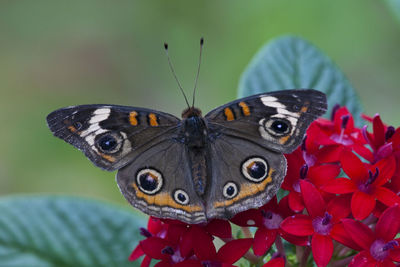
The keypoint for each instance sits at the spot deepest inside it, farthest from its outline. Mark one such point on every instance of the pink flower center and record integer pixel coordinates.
(379, 250)
(271, 220)
(342, 138)
(365, 187)
(323, 225)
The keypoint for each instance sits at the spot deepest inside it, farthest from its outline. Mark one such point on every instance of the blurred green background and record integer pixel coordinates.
(60, 53)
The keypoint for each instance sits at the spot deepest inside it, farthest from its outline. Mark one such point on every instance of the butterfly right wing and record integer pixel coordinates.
(111, 136)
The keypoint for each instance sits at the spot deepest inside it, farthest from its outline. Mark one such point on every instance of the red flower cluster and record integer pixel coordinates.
(341, 202)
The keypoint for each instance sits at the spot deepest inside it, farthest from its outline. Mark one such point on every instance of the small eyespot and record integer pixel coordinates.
(181, 197)
(255, 169)
(149, 181)
(277, 127)
(230, 190)
(109, 142)
(77, 125)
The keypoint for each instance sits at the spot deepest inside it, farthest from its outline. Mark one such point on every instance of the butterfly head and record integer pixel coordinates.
(191, 112)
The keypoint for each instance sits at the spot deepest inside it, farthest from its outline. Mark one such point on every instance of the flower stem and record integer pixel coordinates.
(280, 247)
(246, 232)
(342, 262)
(304, 256)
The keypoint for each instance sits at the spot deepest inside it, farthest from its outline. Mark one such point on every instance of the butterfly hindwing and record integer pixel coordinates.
(159, 183)
(276, 120)
(244, 176)
(109, 135)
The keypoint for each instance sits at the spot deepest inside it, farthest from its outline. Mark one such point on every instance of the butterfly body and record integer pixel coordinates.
(196, 168)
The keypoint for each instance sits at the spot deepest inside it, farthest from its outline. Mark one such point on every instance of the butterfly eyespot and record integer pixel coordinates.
(109, 142)
(277, 127)
(77, 125)
(230, 190)
(181, 197)
(149, 181)
(255, 169)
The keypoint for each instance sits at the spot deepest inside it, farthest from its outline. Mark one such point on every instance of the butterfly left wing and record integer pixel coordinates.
(109, 135)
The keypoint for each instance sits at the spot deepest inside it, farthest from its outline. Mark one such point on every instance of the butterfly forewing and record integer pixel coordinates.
(276, 120)
(111, 136)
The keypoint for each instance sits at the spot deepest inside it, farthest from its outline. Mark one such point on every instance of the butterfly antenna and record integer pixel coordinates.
(173, 72)
(198, 69)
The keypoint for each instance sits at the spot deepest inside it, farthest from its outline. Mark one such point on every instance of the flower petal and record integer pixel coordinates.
(189, 263)
(277, 262)
(359, 232)
(322, 249)
(395, 254)
(174, 233)
(386, 196)
(294, 239)
(340, 186)
(364, 152)
(313, 200)
(321, 174)
(340, 235)
(202, 244)
(136, 253)
(146, 261)
(251, 217)
(299, 224)
(234, 250)
(263, 240)
(362, 205)
(153, 247)
(353, 166)
(386, 263)
(220, 228)
(379, 131)
(339, 207)
(362, 259)
(329, 154)
(163, 264)
(388, 224)
(296, 201)
(386, 167)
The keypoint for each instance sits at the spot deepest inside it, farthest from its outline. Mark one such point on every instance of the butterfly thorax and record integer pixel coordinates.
(194, 132)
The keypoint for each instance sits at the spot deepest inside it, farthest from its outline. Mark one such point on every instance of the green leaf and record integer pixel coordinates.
(65, 231)
(394, 6)
(290, 62)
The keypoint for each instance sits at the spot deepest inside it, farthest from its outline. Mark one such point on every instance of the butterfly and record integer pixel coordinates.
(196, 168)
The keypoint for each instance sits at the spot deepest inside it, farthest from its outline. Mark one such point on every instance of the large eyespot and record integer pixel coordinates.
(230, 190)
(181, 197)
(149, 181)
(255, 169)
(109, 142)
(277, 127)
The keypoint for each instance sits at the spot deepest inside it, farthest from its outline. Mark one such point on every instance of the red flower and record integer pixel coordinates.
(268, 219)
(378, 247)
(277, 262)
(322, 223)
(179, 244)
(366, 183)
(299, 170)
(378, 139)
(339, 130)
